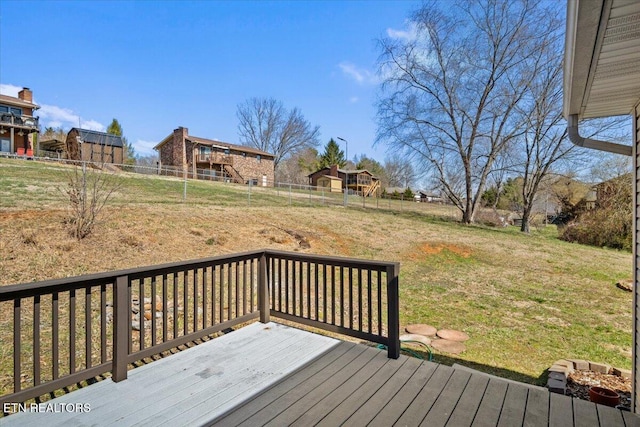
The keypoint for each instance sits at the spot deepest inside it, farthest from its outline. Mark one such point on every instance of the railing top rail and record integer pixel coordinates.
(333, 260)
(25, 290)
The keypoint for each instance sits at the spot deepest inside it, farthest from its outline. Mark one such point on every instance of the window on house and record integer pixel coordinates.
(6, 109)
(258, 157)
(227, 151)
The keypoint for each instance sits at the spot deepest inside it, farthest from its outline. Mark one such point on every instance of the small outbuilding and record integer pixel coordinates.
(330, 183)
(94, 146)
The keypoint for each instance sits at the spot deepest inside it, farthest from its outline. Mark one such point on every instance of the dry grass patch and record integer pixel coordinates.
(515, 295)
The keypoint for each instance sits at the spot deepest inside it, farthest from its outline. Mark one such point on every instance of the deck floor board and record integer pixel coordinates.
(347, 407)
(365, 413)
(278, 375)
(537, 410)
(513, 408)
(290, 414)
(464, 412)
(424, 400)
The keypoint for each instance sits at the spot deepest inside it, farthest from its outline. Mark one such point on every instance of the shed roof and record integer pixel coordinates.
(95, 137)
(335, 178)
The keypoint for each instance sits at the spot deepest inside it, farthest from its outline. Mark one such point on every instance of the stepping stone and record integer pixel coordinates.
(451, 335)
(448, 346)
(426, 330)
(415, 337)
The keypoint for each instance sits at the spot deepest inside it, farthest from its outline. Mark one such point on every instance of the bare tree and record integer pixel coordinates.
(266, 125)
(611, 166)
(399, 171)
(544, 142)
(451, 90)
(296, 168)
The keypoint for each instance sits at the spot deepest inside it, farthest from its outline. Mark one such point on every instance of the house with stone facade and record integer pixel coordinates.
(18, 126)
(201, 157)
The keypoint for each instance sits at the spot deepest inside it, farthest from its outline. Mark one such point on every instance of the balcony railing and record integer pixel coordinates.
(217, 158)
(61, 332)
(23, 122)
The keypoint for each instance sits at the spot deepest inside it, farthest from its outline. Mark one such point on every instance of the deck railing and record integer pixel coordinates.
(57, 333)
(25, 122)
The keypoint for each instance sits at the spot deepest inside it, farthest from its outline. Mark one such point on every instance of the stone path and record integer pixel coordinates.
(445, 340)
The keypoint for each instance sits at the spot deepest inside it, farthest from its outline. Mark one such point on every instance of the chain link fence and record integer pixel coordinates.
(203, 185)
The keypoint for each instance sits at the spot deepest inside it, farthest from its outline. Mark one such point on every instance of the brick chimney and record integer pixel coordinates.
(333, 170)
(26, 95)
(179, 137)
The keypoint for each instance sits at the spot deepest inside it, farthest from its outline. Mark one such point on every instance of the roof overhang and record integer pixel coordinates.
(602, 58)
(164, 141)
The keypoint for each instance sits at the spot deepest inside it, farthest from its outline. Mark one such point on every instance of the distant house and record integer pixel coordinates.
(398, 193)
(358, 180)
(423, 196)
(607, 190)
(18, 126)
(93, 146)
(200, 156)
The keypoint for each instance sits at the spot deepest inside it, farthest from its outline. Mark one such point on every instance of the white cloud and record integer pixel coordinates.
(10, 90)
(93, 125)
(353, 99)
(360, 75)
(410, 34)
(54, 116)
(145, 148)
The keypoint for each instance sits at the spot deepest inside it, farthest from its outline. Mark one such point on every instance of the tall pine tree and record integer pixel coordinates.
(332, 155)
(129, 153)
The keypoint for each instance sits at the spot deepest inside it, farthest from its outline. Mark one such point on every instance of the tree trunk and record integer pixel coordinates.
(526, 216)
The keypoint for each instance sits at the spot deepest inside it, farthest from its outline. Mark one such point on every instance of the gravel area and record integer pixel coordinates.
(579, 382)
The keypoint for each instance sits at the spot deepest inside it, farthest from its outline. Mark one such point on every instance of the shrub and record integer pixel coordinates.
(88, 191)
(609, 224)
(490, 217)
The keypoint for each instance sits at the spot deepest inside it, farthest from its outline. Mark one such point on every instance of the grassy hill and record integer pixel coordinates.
(526, 301)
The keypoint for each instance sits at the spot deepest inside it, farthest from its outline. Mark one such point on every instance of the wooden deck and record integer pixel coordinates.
(277, 375)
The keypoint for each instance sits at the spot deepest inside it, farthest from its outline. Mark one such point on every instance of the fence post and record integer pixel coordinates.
(121, 327)
(263, 290)
(393, 311)
(289, 194)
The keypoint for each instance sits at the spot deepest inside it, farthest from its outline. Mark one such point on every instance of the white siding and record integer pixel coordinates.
(636, 262)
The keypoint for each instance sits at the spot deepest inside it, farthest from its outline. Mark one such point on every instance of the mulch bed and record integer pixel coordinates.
(579, 382)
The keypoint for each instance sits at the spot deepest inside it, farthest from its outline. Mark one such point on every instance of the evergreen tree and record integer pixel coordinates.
(114, 128)
(408, 194)
(129, 152)
(332, 155)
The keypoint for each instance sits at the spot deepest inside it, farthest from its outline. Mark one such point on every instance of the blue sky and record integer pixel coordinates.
(157, 65)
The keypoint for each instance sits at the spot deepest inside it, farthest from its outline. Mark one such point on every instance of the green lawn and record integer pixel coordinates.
(525, 300)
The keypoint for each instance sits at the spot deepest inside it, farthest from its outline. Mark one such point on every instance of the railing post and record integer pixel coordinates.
(393, 310)
(263, 290)
(121, 328)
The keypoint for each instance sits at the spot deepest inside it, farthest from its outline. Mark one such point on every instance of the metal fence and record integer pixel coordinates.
(60, 332)
(257, 191)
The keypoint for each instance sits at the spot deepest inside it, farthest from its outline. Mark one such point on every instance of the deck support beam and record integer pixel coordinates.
(263, 290)
(393, 310)
(121, 326)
